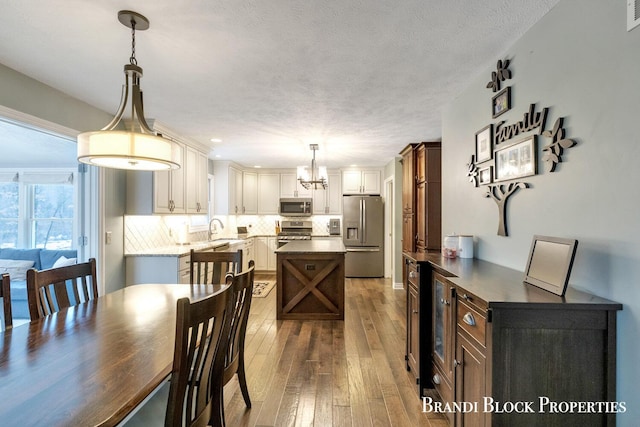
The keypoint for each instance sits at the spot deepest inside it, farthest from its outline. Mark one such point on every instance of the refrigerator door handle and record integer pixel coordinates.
(363, 249)
(363, 209)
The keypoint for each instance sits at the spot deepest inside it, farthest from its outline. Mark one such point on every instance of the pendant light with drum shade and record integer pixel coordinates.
(136, 147)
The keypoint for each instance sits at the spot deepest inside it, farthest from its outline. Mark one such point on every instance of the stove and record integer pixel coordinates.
(294, 230)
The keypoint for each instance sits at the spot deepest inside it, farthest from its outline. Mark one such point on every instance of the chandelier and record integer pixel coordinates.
(317, 178)
(136, 147)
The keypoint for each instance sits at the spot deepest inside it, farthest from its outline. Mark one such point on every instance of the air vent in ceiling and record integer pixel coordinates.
(633, 14)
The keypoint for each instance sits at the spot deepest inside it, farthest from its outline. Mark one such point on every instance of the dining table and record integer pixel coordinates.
(94, 363)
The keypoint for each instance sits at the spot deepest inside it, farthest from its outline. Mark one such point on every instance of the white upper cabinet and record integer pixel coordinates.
(176, 191)
(227, 191)
(329, 201)
(290, 186)
(268, 193)
(169, 189)
(361, 181)
(249, 193)
(197, 165)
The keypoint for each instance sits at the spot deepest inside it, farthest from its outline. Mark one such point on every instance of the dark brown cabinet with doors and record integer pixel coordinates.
(493, 338)
(421, 197)
(413, 356)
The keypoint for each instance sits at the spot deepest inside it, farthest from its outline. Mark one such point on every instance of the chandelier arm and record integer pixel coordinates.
(139, 108)
(123, 104)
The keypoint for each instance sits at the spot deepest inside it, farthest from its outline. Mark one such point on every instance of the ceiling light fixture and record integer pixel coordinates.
(136, 147)
(318, 177)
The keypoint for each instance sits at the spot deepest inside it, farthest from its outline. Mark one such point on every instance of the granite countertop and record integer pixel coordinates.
(179, 250)
(313, 246)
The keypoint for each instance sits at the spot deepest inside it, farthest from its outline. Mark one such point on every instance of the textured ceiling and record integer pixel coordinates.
(361, 78)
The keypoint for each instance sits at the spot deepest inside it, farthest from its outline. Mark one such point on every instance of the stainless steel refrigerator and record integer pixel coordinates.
(363, 235)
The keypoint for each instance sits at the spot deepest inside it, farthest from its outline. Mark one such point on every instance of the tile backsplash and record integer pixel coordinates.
(144, 232)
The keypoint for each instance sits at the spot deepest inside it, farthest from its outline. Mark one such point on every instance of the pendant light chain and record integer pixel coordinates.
(133, 59)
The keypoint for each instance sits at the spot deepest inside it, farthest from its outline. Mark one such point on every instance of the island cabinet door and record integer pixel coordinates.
(310, 286)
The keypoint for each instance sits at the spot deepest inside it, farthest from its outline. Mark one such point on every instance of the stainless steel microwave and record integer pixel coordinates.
(295, 207)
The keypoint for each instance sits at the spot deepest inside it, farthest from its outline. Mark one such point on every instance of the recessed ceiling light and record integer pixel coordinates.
(215, 140)
(218, 156)
(257, 166)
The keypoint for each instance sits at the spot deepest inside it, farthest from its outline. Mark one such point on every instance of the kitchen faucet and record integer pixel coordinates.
(215, 229)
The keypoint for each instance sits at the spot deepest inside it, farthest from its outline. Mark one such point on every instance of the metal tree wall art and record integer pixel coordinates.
(501, 74)
(500, 194)
(553, 152)
(505, 160)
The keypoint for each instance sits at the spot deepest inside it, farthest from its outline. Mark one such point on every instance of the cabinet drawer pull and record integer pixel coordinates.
(412, 274)
(436, 379)
(469, 319)
(466, 297)
(456, 363)
(444, 301)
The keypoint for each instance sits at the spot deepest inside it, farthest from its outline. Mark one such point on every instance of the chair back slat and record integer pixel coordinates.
(5, 293)
(211, 267)
(242, 285)
(242, 290)
(198, 358)
(48, 291)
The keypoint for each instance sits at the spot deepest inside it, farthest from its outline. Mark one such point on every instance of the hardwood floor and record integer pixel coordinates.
(330, 373)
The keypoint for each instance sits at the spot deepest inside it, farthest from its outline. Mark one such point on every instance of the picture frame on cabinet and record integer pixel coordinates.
(501, 103)
(516, 160)
(484, 144)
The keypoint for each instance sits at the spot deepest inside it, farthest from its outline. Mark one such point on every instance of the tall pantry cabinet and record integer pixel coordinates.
(421, 197)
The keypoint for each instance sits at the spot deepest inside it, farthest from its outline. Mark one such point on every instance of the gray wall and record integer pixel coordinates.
(26, 95)
(580, 61)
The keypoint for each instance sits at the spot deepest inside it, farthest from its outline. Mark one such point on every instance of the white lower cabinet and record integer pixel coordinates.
(265, 256)
(157, 269)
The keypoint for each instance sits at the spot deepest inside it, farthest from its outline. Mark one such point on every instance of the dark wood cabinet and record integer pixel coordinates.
(407, 233)
(494, 337)
(421, 197)
(408, 179)
(428, 197)
(413, 319)
(471, 379)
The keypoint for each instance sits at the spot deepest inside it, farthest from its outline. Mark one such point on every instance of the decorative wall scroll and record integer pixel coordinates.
(553, 151)
(531, 120)
(498, 159)
(501, 74)
(472, 171)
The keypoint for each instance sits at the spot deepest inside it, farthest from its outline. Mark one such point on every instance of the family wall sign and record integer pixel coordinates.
(505, 153)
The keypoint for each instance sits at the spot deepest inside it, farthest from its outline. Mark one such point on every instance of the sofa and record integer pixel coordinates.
(17, 261)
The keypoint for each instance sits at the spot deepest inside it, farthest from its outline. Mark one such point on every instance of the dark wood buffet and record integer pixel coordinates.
(477, 333)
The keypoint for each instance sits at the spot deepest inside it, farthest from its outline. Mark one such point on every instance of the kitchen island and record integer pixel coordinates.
(310, 280)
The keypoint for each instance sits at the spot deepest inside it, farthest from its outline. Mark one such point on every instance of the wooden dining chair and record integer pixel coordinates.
(198, 360)
(49, 291)
(242, 291)
(211, 267)
(5, 293)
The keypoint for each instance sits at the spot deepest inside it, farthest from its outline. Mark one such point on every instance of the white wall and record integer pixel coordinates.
(580, 61)
(393, 169)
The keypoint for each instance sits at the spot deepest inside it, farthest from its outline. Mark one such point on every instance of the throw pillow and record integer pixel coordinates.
(63, 261)
(16, 268)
